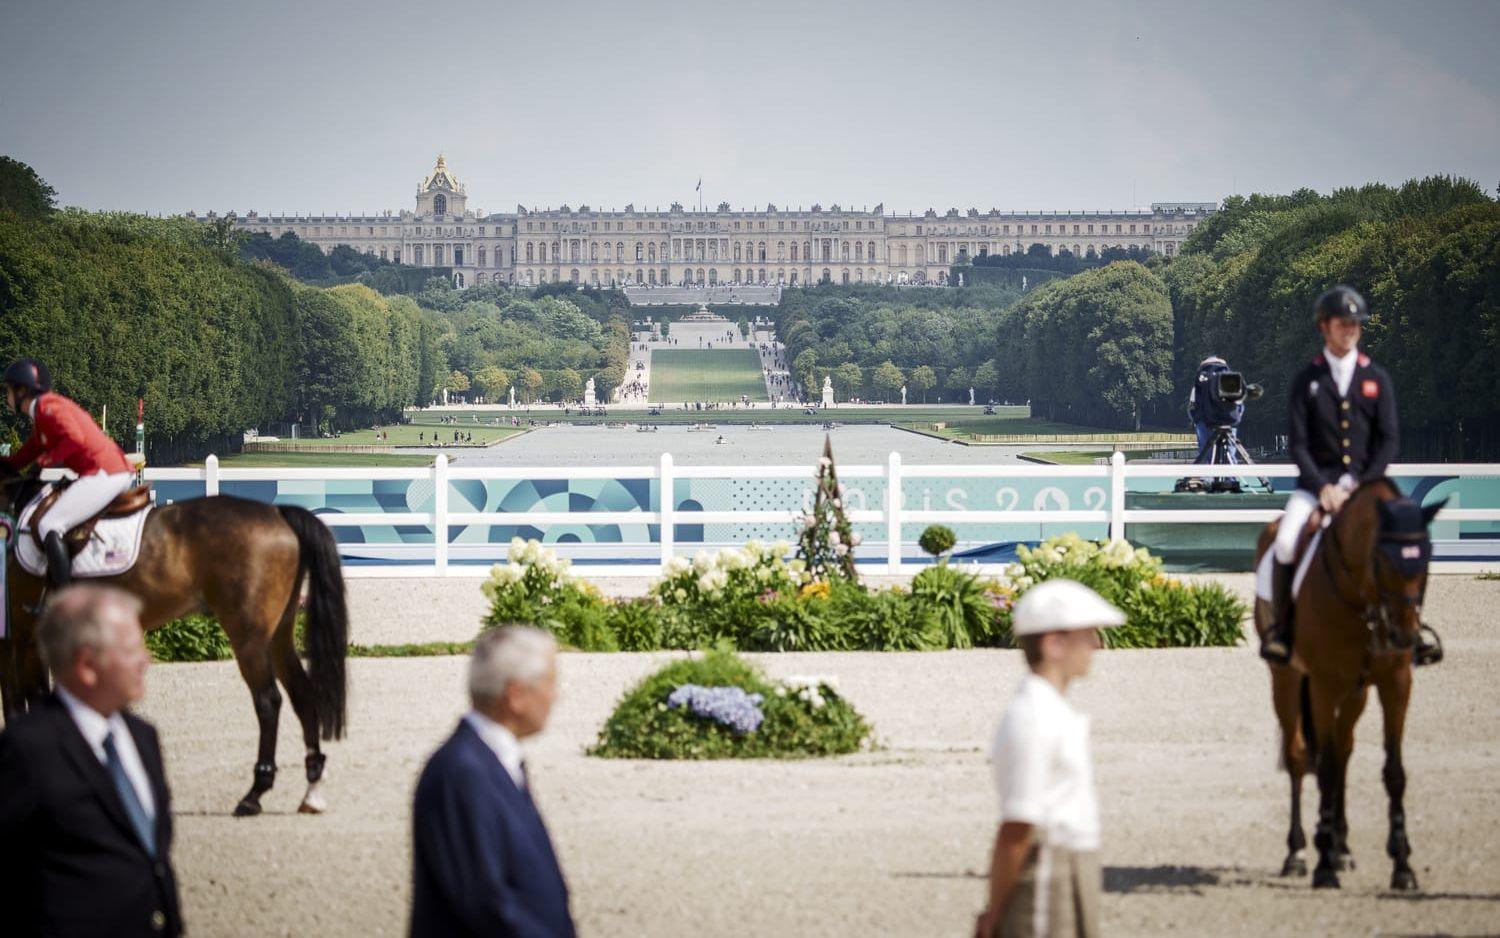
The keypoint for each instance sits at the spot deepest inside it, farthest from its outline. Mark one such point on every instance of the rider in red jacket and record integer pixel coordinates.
(63, 435)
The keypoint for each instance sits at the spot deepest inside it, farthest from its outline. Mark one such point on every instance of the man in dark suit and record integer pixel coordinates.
(85, 815)
(482, 860)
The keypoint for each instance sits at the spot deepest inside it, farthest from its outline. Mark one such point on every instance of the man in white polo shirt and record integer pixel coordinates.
(1045, 876)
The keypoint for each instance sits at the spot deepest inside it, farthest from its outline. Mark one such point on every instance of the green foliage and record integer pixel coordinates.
(937, 540)
(803, 719)
(1160, 611)
(1425, 255)
(23, 192)
(955, 606)
(753, 600)
(1096, 348)
(191, 638)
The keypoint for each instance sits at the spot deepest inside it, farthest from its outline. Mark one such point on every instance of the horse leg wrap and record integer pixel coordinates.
(315, 763)
(265, 776)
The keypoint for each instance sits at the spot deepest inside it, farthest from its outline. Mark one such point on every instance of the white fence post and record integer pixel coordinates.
(211, 475)
(440, 514)
(667, 488)
(1117, 496)
(893, 513)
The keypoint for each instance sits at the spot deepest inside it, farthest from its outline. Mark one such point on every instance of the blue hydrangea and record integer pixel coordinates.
(728, 706)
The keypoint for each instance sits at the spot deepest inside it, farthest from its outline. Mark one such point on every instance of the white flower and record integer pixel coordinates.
(517, 546)
(754, 548)
(855, 538)
(833, 538)
(732, 559)
(824, 461)
(838, 503)
(703, 561)
(712, 581)
(809, 520)
(780, 549)
(676, 566)
(681, 594)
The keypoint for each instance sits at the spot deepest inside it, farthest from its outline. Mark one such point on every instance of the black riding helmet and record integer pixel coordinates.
(1341, 301)
(30, 374)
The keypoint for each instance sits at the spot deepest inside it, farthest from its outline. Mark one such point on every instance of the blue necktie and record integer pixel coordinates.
(144, 828)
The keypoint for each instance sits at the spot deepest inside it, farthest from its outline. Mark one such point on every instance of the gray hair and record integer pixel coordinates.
(78, 617)
(509, 653)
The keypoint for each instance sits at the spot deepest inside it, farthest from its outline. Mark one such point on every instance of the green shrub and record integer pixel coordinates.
(937, 540)
(956, 605)
(191, 638)
(810, 719)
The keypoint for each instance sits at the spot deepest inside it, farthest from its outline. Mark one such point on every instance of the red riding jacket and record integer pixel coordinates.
(63, 434)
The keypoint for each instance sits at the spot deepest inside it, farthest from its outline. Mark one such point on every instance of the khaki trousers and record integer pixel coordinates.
(1057, 896)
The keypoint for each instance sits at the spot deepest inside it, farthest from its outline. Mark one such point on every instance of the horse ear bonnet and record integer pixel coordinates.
(1403, 536)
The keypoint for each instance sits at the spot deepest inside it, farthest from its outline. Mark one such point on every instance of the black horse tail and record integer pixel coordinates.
(1309, 738)
(327, 617)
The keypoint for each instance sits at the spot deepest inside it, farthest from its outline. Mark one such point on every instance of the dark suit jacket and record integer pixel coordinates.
(70, 861)
(482, 861)
(1330, 435)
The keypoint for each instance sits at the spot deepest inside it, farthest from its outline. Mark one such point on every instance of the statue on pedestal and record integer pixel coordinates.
(827, 391)
(513, 397)
(589, 400)
(903, 394)
(971, 396)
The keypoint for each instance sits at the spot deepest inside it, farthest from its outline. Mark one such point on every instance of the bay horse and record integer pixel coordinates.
(244, 562)
(1358, 614)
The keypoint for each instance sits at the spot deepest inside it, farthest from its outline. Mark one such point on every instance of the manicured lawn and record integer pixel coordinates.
(418, 434)
(1078, 457)
(706, 375)
(316, 460)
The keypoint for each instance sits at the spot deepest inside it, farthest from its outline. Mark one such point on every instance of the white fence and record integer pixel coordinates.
(891, 514)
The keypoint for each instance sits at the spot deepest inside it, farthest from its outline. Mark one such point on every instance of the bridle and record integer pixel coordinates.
(1382, 612)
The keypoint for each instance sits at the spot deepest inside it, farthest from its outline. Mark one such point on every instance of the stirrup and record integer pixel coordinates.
(1427, 652)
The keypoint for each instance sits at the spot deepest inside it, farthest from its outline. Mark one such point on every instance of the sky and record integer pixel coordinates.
(317, 106)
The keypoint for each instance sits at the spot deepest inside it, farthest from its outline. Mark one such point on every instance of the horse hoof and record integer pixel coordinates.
(1343, 862)
(312, 805)
(1294, 866)
(1404, 880)
(1325, 879)
(247, 808)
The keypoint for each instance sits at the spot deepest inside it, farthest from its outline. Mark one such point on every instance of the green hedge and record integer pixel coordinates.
(801, 718)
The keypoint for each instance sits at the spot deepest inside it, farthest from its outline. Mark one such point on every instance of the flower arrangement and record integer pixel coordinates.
(828, 540)
(752, 598)
(718, 706)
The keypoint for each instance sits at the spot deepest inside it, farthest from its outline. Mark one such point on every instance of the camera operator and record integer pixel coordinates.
(1209, 411)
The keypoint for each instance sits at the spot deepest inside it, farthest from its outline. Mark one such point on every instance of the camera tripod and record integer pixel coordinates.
(1222, 448)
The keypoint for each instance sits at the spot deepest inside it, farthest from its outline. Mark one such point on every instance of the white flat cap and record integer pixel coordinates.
(1063, 606)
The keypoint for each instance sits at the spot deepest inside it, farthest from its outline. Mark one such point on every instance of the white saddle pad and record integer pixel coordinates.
(1263, 572)
(113, 548)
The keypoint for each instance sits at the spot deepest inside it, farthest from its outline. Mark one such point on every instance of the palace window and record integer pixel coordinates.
(440, 205)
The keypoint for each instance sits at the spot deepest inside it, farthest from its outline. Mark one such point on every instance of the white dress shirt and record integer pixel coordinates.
(503, 742)
(95, 726)
(1043, 768)
(1342, 368)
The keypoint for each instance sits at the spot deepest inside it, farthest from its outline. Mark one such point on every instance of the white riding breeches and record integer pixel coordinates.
(1293, 519)
(82, 500)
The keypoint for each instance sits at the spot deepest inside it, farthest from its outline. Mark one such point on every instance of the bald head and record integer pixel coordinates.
(90, 638)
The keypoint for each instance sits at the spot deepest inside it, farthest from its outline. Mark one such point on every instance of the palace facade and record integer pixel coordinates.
(768, 246)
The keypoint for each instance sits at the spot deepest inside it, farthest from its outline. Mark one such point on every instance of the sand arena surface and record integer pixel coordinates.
(893, 842)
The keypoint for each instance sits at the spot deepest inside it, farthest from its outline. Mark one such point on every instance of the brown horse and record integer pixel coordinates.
(1358, 616)
(244, 562)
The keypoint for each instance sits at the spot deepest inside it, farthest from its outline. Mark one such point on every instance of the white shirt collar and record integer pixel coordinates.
(94, 725)
(501, 741)
(1342, 368)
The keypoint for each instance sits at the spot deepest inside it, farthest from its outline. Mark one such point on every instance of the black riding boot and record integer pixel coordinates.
(59, 564)
(1276, 646)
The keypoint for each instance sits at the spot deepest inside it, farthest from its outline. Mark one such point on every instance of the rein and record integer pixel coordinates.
(1380, 624)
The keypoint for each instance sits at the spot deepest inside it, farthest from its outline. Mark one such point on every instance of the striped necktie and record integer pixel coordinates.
(142, 821)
